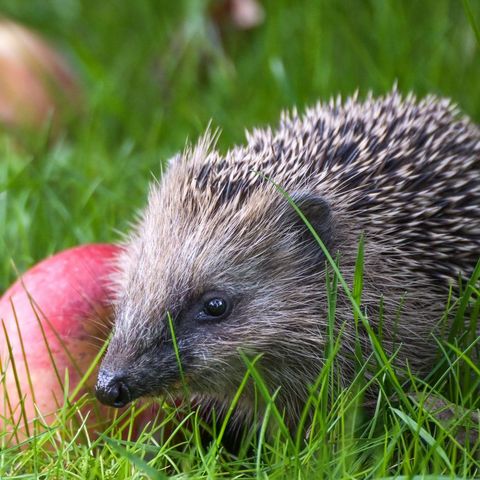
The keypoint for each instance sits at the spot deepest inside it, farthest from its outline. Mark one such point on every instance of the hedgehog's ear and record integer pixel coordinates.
(317, 211)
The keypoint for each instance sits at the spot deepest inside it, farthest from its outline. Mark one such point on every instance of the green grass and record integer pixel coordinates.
(155, 73)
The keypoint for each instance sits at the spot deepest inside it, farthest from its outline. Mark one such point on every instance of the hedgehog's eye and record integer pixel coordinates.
(214, 307)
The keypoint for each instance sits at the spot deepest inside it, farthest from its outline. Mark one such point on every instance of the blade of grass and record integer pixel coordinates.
(231, 409)
(8, 403)
(177, 351)
(90, 369)
(137, 461)
(268, 398)
(24, 355)
(417, 429)
(21, 397)
(471, 19)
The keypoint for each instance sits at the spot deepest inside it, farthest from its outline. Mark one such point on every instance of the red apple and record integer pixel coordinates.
(36, 83)
(62, 303)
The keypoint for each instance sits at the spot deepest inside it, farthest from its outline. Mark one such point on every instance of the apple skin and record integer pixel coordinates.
(37, 86)
(69, 295)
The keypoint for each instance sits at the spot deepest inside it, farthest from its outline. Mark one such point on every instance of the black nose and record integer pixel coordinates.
(112, 390)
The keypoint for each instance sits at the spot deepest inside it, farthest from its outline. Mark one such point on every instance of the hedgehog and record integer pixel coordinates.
(220, 266)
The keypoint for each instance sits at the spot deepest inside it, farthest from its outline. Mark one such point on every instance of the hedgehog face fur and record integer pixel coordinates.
(222, 251)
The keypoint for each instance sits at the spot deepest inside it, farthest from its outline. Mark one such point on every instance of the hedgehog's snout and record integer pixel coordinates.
(131, 370)
(112, 389)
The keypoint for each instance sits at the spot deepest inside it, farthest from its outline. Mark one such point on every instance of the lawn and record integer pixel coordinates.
(155, 73)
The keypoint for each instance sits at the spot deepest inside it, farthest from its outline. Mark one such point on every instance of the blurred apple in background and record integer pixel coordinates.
(54, 318)
(37, 86)
(239, 14)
